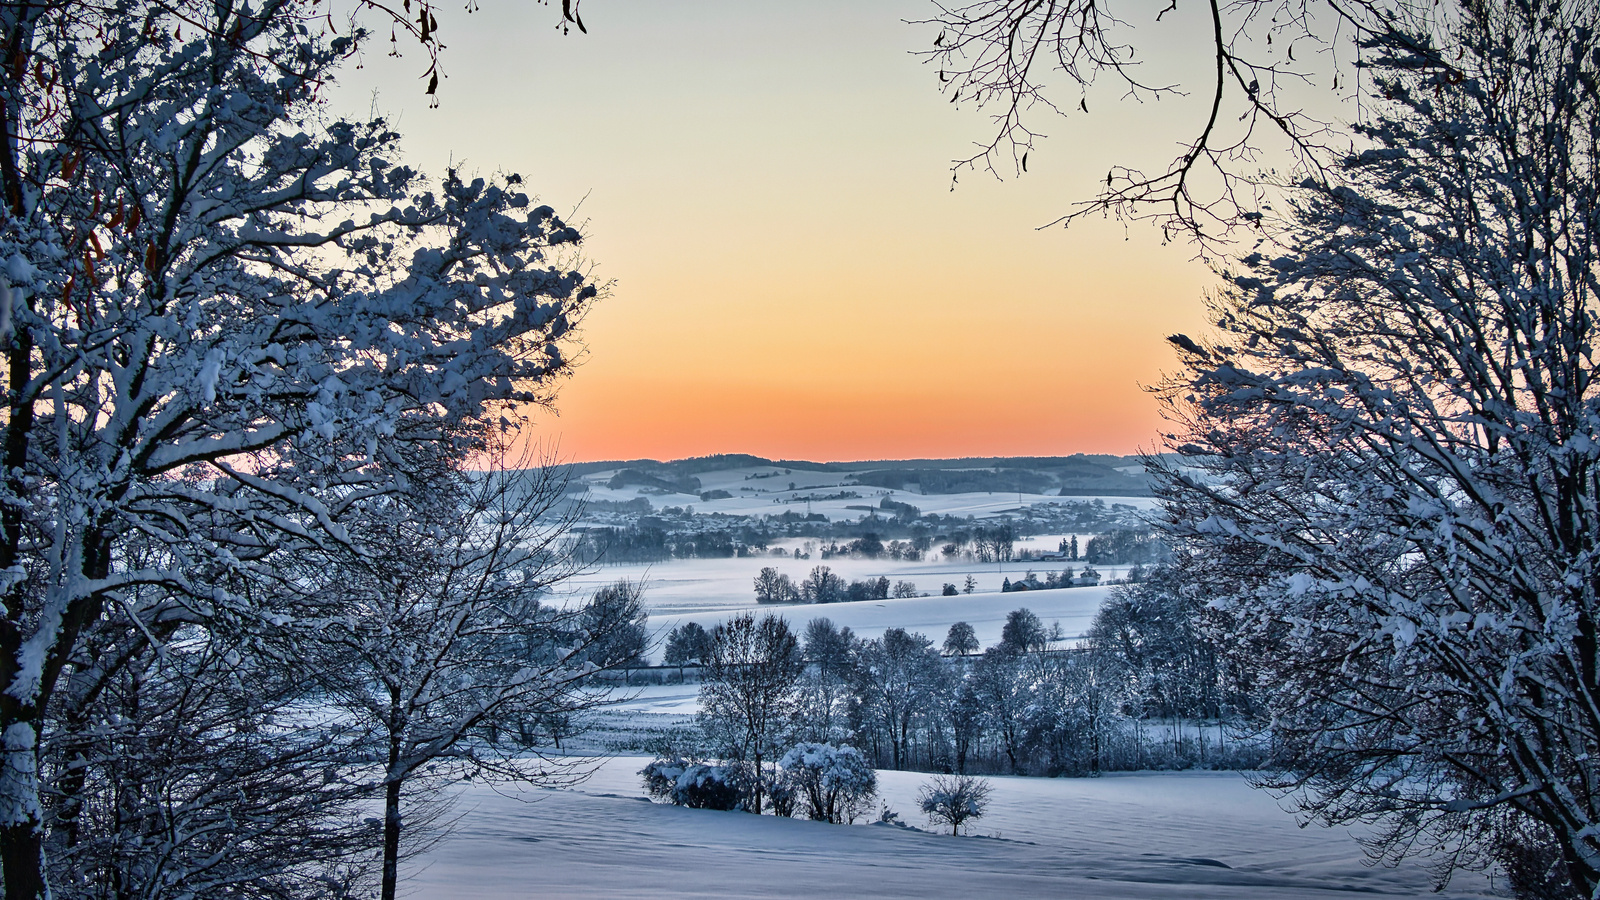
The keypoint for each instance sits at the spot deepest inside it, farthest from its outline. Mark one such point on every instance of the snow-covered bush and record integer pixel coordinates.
(695, 785)
(953, 799)
(835, 783)
(782, 796)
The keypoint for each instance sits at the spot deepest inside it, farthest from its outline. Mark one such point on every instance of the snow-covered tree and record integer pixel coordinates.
(1391, 450)
(747, 691)
(438, 645)
(1074, 711)
(774, 587)
(1024, 632)
(615, 618)
(182, 758)
(898, 678)
(825, 690)
(220, 313)
(836, 783)
(687, 643)
(999, 689)
(696, 785)
(822, 586)
(1153, 632)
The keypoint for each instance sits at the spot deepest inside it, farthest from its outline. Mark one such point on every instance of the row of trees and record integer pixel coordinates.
(823, 586)
(635, 533)
(870, 546)
(1022, 706)
(982, 543)
(648, 543)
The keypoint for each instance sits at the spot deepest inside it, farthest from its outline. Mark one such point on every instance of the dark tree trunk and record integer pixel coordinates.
(22, 859)
(391, 837)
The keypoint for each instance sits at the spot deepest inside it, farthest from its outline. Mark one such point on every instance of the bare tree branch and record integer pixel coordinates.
(998, 53)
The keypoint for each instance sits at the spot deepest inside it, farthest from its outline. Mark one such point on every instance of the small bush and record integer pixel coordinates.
(695, 785)
(954, 799)
(782, 798)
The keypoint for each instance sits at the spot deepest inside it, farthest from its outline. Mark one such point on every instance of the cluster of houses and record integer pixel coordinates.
(1063, 579)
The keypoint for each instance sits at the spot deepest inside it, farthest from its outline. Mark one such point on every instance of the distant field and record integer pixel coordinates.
(709, 591)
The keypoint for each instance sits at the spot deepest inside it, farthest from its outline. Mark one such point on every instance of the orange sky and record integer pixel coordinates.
(767, 187)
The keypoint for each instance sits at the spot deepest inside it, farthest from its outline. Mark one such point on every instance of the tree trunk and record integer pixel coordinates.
(897, 736)
(22, 859)
(1094, 744)
(394, 780)
(391, 838)
(758, 791)
(21, 830)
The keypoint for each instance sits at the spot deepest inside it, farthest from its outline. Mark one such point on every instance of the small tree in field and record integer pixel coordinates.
(961, 640)
(1023, 632)
(822, 586)
(774, 587)
(954, 799)
(687, 643)
(616, 616)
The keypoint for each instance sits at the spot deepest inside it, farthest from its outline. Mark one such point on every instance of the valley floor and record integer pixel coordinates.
(1200, 835)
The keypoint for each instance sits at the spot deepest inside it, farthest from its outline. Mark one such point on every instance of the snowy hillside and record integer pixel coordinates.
(1205, 836)
(841, 490)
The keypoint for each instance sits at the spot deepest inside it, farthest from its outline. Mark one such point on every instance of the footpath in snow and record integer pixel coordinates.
(1206, 836)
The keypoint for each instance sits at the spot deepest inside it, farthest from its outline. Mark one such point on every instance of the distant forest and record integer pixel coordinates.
(1067, 476)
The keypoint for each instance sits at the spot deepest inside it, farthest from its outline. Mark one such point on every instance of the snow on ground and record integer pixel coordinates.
(668, 699)
(1205, 836)
(1199, 835)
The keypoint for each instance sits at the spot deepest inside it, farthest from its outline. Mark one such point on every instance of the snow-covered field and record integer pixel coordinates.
(1200, 835)
(1197, 835)
(709, 591)
(1074, 608)
(1206, 836)
(762, 496)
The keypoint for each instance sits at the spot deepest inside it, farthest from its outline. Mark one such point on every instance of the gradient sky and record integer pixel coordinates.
(767, 186)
